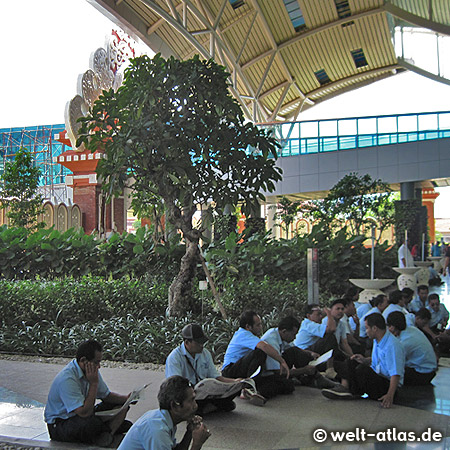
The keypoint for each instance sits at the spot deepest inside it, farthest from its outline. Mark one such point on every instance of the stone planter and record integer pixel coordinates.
(371, 288)
(423, 275)
(407, 277)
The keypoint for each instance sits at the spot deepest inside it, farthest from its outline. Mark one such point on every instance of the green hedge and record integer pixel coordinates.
(128, 317)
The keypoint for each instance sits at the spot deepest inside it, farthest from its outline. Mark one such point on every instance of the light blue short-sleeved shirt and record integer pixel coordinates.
(273, 338)
(363, 309)
(417, 304)
(437, 317)
(309, 333)
(362, 328)
(69, 391)
(180, 362)
(410, 317)
(419, 353)
(152, 431)
(242, 342)
(341, 329)
(388, 357)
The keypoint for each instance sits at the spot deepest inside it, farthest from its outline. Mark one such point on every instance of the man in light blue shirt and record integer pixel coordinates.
(156, 429)
(439, 314)
(194, 362)
(246, 353)
(421, 300)
(281, 338)
(316, 335)
(378, 376)
(396, 303)
(70, 410)
(420, 359)
(380, 303)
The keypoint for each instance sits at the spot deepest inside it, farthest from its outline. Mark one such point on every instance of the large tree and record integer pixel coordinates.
(18, 191)
(355, 201)
(174, 129)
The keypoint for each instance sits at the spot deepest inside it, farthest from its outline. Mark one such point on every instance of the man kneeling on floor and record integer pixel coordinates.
(156, 428)
(70, 409)
(194, 362)
(378, 376)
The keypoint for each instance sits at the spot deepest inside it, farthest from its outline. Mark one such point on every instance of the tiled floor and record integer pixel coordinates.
(284, 423)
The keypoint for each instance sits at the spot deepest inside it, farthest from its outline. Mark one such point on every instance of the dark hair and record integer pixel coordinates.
(247, 318)
(88, 349)
(395, 297)
(173, 389)
(338, 301)
(346, 301)
(422, 287)
(423, 313)
(288, 323)
(396, 319)
(376, 320)
(309, 309)
(408, 291)
(433, 297)
(378, 300)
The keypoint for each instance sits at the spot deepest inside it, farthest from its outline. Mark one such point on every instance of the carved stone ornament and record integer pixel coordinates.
(90, 87)
(106, 71)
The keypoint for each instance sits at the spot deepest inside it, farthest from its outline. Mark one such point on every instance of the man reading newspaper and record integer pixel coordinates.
(194, 362)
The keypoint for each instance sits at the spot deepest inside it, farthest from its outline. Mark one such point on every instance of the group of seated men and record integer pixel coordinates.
(373, 353)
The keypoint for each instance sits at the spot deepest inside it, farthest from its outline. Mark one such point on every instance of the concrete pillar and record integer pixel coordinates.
(407, 190)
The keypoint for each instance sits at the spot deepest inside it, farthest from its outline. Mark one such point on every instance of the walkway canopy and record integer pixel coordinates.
(286, 55)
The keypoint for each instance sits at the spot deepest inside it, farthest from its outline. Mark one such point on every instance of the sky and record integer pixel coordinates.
(45, 50)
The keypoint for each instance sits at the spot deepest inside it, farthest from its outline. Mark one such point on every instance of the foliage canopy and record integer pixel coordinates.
(172, 131)
(19, 191)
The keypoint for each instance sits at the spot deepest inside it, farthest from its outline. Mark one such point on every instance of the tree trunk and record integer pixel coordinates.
(180, 291)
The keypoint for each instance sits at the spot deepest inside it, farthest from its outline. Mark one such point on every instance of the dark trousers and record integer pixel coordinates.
(269, 386)
(296, 357)
(325, 344)
(81, 429)
(414, 378)
(363, 379)
(245, 366)
(77, 429)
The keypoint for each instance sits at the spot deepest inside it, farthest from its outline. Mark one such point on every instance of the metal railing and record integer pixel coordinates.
(317, 136)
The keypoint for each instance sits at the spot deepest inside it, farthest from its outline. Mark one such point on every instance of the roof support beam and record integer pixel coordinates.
(422, 72)
(417, 20)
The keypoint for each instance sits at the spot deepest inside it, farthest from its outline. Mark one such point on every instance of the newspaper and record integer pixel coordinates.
(325, 357)
(132, 399)
(212, 388)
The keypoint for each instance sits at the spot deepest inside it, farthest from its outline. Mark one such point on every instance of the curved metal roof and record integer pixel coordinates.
(283, 55)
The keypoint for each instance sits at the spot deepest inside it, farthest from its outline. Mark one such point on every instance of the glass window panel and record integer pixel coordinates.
(407, 123)
(428, 122)
(347, 127)
(387, 125)
(328, 128)
(309, 129)
(367, 126)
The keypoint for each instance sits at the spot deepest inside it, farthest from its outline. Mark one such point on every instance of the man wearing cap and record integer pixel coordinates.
(194, 362)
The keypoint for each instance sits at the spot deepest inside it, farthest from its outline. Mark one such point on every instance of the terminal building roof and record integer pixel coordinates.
(285, 56)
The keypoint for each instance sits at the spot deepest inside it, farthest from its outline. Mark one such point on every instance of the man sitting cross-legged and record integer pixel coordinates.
(194, 362)
(378, 376)
(246, 352)
(420, 359)
(70, 409)
(156, 428)
(280, 339)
